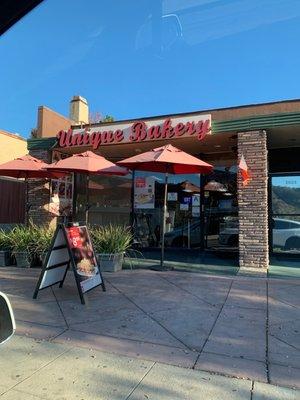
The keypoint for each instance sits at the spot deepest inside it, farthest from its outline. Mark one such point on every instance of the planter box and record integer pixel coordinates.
(110, 262)
(22, 259)
(5, 258)
(35, 261)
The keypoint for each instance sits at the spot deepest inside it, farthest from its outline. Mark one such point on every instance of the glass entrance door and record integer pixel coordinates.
(285, 214)
(183, 222)
(221, 210)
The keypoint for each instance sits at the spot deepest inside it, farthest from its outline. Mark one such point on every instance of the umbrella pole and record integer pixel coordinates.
(87, 200)
(26, 215)
(162, 258)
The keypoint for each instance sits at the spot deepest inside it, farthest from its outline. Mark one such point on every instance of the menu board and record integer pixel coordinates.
(144, 192)
(71, 248)
(84, 258)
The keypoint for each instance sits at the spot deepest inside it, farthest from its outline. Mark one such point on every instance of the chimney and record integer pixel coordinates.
(79, 110)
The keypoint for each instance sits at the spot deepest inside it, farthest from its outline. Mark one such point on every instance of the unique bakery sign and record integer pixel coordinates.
(139, 131)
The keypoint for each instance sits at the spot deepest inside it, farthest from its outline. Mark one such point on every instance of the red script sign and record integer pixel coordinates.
(139, 132)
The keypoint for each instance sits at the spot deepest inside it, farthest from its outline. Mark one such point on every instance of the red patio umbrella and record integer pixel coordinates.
(27, 167)
(87, 163)
(167, 159)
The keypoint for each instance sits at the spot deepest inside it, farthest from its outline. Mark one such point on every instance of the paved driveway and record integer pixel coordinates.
(236, 326)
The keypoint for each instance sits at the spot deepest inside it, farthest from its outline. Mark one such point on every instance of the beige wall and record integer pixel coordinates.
(256, 109)
(50, 122)
(11, 146)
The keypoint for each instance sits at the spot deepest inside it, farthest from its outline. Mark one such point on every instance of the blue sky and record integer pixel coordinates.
(287, 181)
(210, 54)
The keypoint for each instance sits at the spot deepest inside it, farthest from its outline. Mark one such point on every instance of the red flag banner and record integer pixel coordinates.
(243, 167)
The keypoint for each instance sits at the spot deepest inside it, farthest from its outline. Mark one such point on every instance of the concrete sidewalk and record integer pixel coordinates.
(242, 327)
(32, 369)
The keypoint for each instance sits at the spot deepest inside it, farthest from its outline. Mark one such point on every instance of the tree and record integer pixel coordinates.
(97, 117)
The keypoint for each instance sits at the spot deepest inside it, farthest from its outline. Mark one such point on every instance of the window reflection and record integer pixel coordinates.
(286, 194)
(183, 210)
(201, 210)
(220, 209)
(109, 199)
(285, 222)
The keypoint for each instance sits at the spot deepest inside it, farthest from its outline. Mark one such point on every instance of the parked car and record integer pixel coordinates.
(179, 236)
(286, 234)
(229, 233)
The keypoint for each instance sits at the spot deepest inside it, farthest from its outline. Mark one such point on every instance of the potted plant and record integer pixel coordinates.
(33, 245)
(20, 241)
(43, 243)
(5, 249)
(110, 244)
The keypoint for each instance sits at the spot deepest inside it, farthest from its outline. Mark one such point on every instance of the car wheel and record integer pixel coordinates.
(292, 243)
(233, 241)
(180, 241)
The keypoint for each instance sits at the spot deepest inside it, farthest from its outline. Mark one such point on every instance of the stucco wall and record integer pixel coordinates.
(50, 122)
(11, 146)
(256, 109)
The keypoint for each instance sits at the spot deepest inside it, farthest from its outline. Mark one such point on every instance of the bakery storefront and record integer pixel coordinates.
(215, 213)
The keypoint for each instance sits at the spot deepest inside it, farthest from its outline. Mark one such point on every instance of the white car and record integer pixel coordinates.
(286, 234)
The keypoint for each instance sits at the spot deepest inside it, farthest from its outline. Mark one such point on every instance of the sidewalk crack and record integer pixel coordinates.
(187, 291)
(60, 309)
(138, 384)
(267, 335)
(36, 371)
(152, 318)
(214, 324)
(252, 390)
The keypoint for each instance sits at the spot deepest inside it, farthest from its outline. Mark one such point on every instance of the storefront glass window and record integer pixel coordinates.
(221, 209)
(201, 210)
(109, 199)
(183, 210)
(285, 220)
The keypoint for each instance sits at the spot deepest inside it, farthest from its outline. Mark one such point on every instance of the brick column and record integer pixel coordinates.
(39, 194)
(253, 201)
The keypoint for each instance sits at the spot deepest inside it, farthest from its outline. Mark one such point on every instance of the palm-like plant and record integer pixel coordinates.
(32, 240)
(5, 244)
(44, 239)
(20, 239)
(111, 239)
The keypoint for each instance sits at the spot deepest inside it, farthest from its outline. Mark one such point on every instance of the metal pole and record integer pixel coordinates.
(189, 233)
(132, 202)
(202, 219)
(26, 216)
(74, 198)
(164, 223)
(87, 200)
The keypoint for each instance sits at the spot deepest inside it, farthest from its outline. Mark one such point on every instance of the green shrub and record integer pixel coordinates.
(33, 240)
(111, 239)
(21, 238)
(5, 244)
(42, 238)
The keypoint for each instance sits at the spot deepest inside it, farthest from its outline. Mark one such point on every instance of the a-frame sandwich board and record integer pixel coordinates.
(71, 247)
